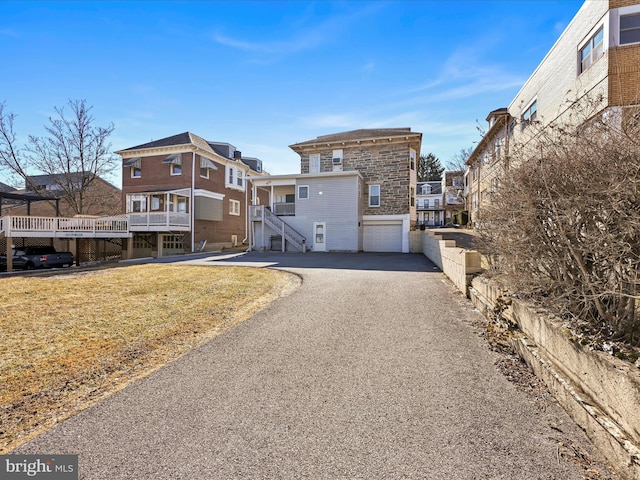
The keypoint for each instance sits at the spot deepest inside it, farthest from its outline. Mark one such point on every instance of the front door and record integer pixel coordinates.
(319, 236)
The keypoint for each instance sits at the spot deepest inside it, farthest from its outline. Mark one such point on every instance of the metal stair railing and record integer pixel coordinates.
(289, 234)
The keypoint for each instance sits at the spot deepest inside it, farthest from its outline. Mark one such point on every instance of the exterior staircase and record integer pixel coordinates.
(287, 232)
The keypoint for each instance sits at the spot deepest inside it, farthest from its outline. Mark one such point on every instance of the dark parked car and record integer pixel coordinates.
(30, 258)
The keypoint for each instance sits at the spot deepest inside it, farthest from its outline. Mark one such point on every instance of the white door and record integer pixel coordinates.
(319, 236)
(382, 237)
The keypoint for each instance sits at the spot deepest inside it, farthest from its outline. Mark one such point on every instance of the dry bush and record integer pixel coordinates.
(564, 226)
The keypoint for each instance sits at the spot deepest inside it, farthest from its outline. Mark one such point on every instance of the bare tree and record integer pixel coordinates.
(458, 162)
(74, 155)
(563, 227)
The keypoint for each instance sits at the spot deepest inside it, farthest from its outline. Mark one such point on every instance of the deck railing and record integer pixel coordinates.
(103, 227)
(154, 220)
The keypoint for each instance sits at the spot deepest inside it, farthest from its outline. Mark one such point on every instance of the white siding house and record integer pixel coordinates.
(325, 209)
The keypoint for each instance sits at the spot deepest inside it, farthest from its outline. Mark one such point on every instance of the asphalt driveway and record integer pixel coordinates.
(371, 369)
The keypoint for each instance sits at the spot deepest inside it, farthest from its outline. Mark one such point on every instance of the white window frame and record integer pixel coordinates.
(300, 188)
(595, 50)
(314, 163)
(234, 178)
(530, 114)
(234, 207)
(176, 169)
(206, 170)
(372, 196)
(136, 172)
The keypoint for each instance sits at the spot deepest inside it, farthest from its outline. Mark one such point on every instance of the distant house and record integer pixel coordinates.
(453, 196)
(68, 196)
(183, 193)
(356, 191)
(430, 204)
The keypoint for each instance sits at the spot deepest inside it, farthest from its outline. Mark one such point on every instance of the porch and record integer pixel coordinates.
(159, 211)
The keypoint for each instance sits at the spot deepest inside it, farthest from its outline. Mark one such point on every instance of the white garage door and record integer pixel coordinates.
(385, 237)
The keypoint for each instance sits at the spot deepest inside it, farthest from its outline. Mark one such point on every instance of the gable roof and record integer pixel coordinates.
(362, 134)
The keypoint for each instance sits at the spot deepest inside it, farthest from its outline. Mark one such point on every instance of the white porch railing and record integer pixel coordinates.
(152, 221)
(62, 227)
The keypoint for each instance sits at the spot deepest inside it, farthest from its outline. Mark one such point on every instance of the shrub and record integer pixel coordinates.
(564, 225)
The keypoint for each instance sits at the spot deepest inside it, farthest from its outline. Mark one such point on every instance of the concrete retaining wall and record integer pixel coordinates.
(457, 263)
(600, 392)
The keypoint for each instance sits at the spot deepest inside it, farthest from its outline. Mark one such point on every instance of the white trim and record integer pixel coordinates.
(379, 195)
(234, 207)
(209, 194)
(298, 192)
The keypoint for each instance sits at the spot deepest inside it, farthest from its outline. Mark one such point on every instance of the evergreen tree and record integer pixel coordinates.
(429, 168)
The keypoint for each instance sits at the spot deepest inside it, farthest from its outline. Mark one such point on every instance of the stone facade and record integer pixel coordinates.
(383, 157)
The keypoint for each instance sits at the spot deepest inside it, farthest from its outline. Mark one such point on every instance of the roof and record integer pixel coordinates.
(360, 135)
(4, 188)
(186, 139)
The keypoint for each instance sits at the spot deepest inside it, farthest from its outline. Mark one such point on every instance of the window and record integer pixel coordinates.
(314, 163)
(182, 205)
(138, 203)
(337, 157)
(630, 29)
(412, 159)
(173, 242)
(136, 172)
(176, 169)
(234, 207)
(204, 172)
(235, 178)
(530, 114)
(412, 196)
(155, 203)
(593, 50)
(303, 191)
(374, 195)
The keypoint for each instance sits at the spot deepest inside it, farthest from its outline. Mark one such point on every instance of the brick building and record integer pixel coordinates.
(182, 193)
(596, 59)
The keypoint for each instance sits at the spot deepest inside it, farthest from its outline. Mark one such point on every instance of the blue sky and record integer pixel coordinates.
(264, 75)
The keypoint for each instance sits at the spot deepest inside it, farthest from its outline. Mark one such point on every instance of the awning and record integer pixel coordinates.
(175, 159)
(132, 162)
(206, 163)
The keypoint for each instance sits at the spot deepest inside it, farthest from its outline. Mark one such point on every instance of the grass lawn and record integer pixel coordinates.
(69, 340)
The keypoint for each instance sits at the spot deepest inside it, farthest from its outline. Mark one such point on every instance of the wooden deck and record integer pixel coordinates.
(62, 227)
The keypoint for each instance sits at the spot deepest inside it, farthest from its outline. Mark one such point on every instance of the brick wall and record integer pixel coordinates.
(624, 75)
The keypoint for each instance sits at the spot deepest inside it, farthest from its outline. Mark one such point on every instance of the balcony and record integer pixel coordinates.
(284, 209)
(159, 222)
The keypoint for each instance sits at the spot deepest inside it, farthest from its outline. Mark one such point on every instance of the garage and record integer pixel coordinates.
(382, 236)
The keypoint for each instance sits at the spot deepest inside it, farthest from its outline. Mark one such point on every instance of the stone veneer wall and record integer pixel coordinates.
(384, 163)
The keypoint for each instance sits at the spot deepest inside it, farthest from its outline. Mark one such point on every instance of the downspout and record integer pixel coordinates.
(193, 198)
(246, 208)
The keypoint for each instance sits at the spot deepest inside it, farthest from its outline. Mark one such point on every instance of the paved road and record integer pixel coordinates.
(370, 370)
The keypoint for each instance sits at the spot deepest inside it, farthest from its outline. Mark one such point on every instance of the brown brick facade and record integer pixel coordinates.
(624, 75)
(156, 176)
